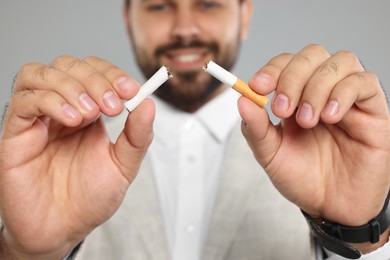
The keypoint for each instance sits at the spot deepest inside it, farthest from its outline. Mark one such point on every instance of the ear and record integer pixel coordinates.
(126, 18)
(246, 16)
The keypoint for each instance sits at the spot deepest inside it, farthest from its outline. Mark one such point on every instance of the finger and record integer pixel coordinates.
(265, 80)
(36, 76)
(97, 86)
(27, 106)
(261, 135)
(124, 85)
(133, 142)
(361, 89)
(293, 78)
(318, 88)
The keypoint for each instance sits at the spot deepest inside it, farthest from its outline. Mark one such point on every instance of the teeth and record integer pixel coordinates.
(187, 57)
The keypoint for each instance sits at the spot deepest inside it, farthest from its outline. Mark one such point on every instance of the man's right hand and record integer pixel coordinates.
(60, 176)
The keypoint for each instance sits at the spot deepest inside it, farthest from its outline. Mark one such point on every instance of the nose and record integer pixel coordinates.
(186, 26)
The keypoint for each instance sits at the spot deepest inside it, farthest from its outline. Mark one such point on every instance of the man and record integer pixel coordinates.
(329, 156)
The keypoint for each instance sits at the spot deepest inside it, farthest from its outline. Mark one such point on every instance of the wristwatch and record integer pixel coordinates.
(335, 237)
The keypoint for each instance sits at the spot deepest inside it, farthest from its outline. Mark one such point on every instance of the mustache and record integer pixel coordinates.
(212, 46)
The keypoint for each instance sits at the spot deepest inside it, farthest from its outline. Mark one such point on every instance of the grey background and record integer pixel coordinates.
(40, 30)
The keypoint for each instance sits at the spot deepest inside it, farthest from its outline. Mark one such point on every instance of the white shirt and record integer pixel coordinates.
(186, 156)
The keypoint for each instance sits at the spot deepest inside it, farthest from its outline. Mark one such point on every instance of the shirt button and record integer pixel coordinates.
(190, 228)
(189, 124)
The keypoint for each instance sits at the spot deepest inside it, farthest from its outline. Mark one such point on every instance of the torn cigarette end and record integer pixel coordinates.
(232, 81)
(162, 75)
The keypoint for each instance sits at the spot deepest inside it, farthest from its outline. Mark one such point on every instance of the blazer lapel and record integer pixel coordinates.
(234, 196)
(144, 206)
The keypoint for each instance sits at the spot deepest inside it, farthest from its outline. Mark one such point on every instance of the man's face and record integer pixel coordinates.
(184, 35)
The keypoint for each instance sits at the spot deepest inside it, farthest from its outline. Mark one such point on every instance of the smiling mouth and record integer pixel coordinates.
(187, 60)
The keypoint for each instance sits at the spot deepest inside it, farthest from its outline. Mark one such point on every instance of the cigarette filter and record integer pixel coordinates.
(232, 81)
(162, 75)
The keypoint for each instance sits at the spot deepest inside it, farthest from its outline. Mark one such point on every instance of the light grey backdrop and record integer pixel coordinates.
(40, 30)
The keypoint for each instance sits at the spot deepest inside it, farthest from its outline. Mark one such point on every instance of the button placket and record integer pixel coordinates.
(190, 191)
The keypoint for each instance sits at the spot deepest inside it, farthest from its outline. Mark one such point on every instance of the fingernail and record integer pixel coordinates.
(86, 102)
(331, 108)
(124, 83)
(281, 102)
(306, 112)
(69, 111)
(262, 79)
(111, 100)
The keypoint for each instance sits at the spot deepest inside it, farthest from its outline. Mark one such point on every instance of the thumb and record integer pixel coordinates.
(261, 135)
(133, 142)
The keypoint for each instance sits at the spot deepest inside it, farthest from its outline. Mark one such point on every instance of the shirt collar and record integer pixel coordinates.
(218, 116)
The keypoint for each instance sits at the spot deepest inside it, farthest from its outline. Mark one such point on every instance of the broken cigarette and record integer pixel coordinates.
(162, 75)
(232, 81)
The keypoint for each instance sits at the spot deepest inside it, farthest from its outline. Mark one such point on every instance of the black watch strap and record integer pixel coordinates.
(335, 237)
(333, 244)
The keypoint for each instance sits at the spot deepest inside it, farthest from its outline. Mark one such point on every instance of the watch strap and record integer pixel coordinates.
(336, 237)
(370, 232)
(333, 244)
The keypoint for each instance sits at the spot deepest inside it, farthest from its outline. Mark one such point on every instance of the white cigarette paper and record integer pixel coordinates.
(232, 81)
(162, 75)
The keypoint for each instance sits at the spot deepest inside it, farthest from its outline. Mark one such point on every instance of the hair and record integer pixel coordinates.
(127, 2)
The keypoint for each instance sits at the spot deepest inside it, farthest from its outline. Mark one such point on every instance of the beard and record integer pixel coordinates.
(188, 91)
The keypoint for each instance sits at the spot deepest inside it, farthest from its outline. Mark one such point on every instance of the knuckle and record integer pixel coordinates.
(91, 59)
(319, 50)
(351, 58)
(73, 64)
(60, 60)
(316, 48)
(329, 68)
(346, 54)
(371, 76)
(32, 71)
(368, 76)
(23, 73)
(285, 55)
(23, 94)
(282, 56)
(26, 70)
(302, 59)
(67, 62)
(42, 72)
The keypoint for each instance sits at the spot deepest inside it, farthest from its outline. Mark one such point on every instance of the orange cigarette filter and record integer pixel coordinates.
(232, 81)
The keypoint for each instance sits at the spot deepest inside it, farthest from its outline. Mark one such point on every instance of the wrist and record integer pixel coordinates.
(7, 251)
(351, 241)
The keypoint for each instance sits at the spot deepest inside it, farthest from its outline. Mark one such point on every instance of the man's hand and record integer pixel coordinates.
(60, 177)
(330, 155)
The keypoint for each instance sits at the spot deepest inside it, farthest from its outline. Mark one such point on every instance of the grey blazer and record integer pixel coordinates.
(250, 219)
